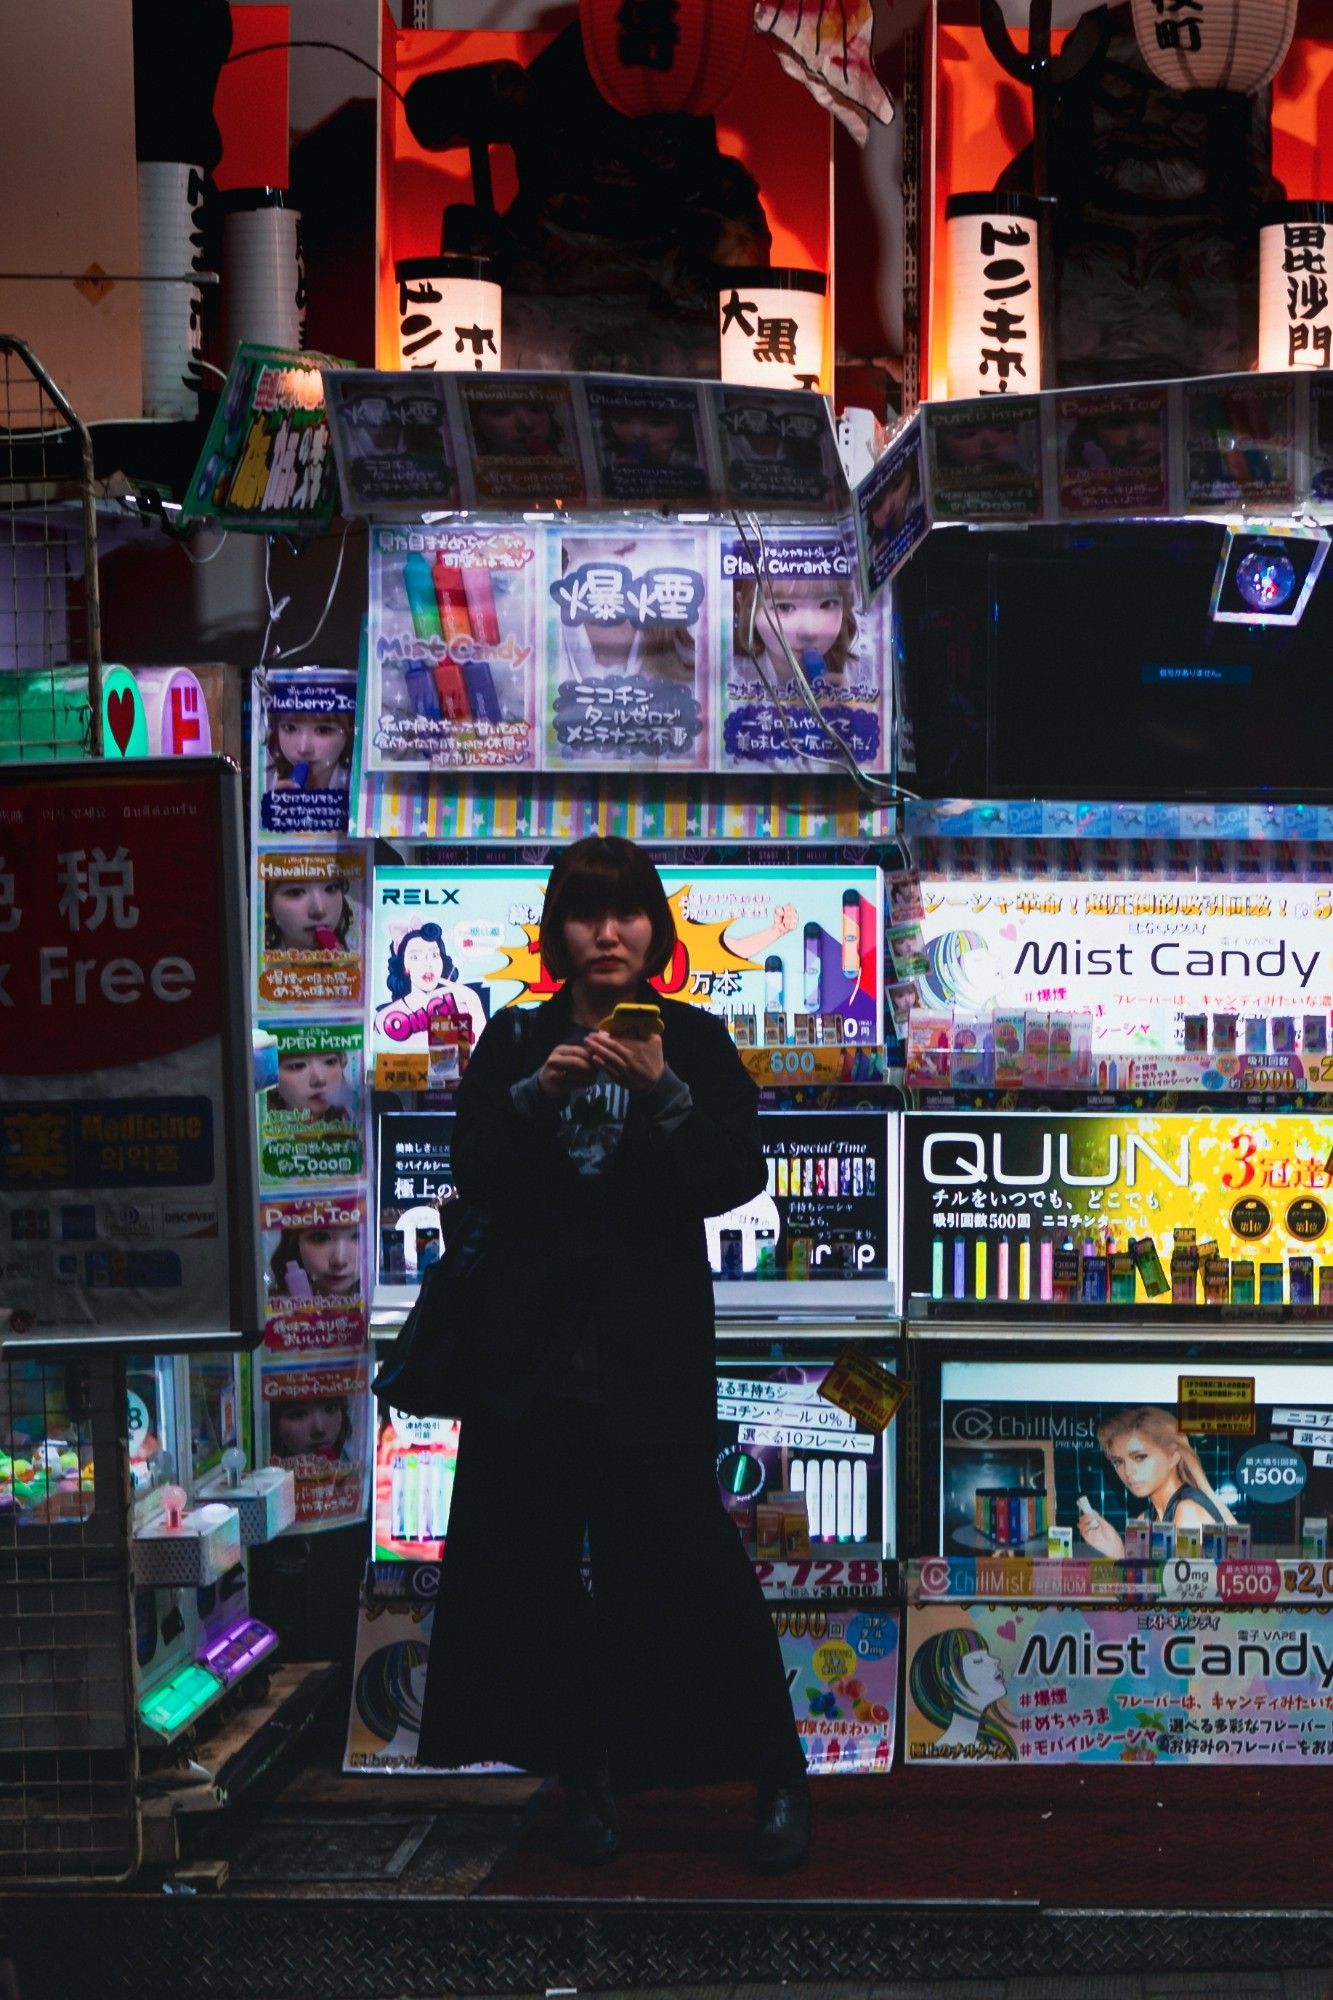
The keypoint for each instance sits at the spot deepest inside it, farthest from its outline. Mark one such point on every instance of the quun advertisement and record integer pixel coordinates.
(1131, 1207)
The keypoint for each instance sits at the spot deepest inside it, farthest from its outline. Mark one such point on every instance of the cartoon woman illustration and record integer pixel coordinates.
(423, 980)
(318, 1262)
(309, 750)
(310, 1082)
(957, 1684)
(817, 618)
(310, 1427)
(1158, 1467)
(313, 913)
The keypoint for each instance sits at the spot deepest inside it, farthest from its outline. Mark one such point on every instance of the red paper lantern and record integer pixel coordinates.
(653, 56)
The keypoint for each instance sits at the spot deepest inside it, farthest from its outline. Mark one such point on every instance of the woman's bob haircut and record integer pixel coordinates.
(600, 876)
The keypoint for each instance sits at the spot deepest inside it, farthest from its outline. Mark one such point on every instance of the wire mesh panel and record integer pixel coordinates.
(68, 1754)
(50, 636)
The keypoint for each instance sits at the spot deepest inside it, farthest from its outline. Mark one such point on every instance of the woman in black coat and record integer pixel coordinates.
(591, 1396)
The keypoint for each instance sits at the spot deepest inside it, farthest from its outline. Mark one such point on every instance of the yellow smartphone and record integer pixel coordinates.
(634, 1021)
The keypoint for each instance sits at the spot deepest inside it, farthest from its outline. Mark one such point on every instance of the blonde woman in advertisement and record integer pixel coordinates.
(1159, 1469)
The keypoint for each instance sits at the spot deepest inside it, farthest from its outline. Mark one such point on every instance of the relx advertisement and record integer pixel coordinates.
(1172, 1209)
(790, 940)
(1030, 1446)
(825, 1229)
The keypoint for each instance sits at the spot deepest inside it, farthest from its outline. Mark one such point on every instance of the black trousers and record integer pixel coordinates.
(671, 1664)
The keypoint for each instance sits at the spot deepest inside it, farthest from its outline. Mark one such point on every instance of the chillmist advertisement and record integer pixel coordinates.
(1134, 954)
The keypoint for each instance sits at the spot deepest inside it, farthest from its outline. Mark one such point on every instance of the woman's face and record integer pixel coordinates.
(982, 1676)
(307, 1082)
(980, 446)
(811, 623)
(308, 1430)
(423, 962)
(330, 1258)
(1130, 440)
(516, 427)
(1142, 1465)
(316, 740)
(299, 909)
(608, 952)
(648, 438)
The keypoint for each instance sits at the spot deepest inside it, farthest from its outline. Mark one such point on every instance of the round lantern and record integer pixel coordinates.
(992, 248)
(772, 326)
(1295, 311)
(1235, 45)
(655, 56)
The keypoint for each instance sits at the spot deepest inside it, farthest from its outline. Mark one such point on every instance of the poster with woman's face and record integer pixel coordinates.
(1113, 452)
(649, 442)
(985, 459)
(305, 739)
(310, 1120)
(804, 669)
(310, 916)
(314, 1252)
(524, 439)
(315, 1418)
(393, 440)
(628, 653)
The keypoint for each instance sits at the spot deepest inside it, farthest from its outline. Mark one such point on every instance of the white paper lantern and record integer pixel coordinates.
(448, 314)
(772, 327)
(1295, 276)
(1235, 45)
(992, 248)
(263, 280)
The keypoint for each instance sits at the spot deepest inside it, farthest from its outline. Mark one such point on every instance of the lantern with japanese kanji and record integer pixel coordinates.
(994, 265)
(653, 56)
(1235, 45)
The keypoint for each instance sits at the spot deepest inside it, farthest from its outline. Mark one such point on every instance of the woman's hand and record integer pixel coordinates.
(638, 1065)
(1097, 1531)
(567, 1069)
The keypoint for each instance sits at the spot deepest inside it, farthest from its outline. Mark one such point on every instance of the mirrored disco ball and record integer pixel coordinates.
(1265, 578)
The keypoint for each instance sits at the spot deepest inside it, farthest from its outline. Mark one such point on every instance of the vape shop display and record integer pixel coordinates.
(824, 1229)
(415, 1176)
(799, 1476)
(1170, 1210)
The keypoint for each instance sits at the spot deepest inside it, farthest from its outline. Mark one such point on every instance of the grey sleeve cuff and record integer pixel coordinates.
(530, 1100)
(668, 1103)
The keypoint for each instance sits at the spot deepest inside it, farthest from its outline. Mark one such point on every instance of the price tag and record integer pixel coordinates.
(1249, 1582)
(1186, 1579)
(822, 1576)
(401, 1070)
(864, 1388)
(1311, 1582)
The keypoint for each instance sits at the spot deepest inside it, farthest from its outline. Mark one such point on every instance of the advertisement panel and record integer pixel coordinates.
(1136, 955)
(824, 1232)
(1169, 1210)
(1031, 1447)
(313, 1416)
(750, 942)
(842, 1669)
(776, 1435)
(1061, 1684)
(127, 1169)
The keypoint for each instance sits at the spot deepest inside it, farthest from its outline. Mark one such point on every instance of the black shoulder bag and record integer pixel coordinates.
(427, 1374)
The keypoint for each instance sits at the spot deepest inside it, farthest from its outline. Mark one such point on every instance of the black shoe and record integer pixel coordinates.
(592, 1831)
(781, 1836)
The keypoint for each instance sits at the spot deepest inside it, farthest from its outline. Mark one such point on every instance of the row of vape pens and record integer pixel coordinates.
(827, 1500)
(421, 1488)
(830, 1254)
(1092, 1269)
